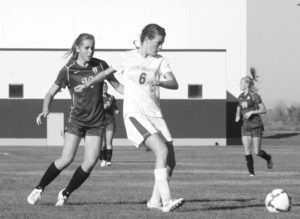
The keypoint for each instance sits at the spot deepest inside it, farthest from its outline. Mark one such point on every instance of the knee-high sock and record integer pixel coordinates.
(103, 153)
(249, 160)
(264, 155)
(51, 173)
(156, 198)
(161, 182)
(78, 178)
(108, 154)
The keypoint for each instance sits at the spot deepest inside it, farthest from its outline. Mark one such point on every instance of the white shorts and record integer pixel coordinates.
(139, 127)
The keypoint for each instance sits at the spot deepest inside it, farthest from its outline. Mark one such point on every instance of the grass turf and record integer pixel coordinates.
(213, 180)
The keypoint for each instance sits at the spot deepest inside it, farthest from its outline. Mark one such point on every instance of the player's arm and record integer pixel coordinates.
(261, 110)
(238, 114)
(115, 84)
(101, 76)
(47, 103)
(170, 81)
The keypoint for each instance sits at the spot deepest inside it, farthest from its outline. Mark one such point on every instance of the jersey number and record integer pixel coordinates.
(244, 105)
(86, 80)
(142, 79)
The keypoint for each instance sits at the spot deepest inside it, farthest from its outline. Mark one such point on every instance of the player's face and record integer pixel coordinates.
(85, 50)
(104, 88)
(154, 45)
(243, 85)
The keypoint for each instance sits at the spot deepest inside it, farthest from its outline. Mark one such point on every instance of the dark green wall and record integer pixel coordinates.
(185, 118)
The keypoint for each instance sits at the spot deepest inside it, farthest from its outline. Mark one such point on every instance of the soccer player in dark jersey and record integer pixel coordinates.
(86, 119)
(110, 110)
(250, 106)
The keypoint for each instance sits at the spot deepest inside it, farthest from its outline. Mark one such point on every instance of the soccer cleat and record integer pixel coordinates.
(34, 196)
(108, 163)
(61, 199)
(156, 206)
(103, 163)
(251, 174)
(270, 162)
(172, 205)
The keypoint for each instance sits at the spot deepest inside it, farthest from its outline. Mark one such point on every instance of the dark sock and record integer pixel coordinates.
(249, 160)
(78, 178)
(51, 173)
(264, 155)
(108, 154)
(103, 153)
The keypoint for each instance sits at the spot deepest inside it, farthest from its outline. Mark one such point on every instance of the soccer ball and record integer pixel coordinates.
(278, 201)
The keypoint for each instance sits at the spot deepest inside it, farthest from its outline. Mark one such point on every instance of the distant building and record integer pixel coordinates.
(205, 45)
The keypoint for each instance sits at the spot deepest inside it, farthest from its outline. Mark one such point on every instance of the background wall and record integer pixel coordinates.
(205, 44)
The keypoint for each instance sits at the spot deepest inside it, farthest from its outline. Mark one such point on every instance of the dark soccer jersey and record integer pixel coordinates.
(111, 101)
(87, 106)
(248, 103)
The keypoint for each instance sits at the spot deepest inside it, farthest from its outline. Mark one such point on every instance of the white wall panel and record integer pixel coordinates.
(37, 70)
(115, 23)
(38, 24)
(190, 24)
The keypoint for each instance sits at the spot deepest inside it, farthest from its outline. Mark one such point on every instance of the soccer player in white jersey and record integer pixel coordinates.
(144, 71)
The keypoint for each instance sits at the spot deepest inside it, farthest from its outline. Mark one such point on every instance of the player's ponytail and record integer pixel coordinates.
(253, 73)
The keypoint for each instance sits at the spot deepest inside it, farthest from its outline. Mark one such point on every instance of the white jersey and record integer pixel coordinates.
(138, 74)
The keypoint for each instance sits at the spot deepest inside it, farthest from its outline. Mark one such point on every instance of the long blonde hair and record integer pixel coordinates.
(72, 54)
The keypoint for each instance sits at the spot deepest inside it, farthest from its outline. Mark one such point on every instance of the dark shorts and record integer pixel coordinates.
(109, 120)
(82, 131)
(253, 132)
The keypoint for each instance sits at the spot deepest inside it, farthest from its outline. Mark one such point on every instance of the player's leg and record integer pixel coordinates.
(247, 141)
(71, 142)
(257, 143)
(109, 134)
(160, 150)
(102, 153)
(155, 200)
(91, 151)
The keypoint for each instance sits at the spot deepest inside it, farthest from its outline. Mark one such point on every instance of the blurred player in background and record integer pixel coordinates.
(110, 110)
(250, 106)
(142, 70)
(86, 118)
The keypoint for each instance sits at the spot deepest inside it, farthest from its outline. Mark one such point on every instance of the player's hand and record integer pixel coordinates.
(80, 88)
(248, 114)
(237, 119)
(40, 117)
(155, 83)
(117, 112)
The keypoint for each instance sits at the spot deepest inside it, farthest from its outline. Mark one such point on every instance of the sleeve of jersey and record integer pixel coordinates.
(102, 66)
(257, 98)
(165, 67)
(62, 78)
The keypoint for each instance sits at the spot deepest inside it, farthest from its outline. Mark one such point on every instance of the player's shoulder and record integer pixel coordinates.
(241, 96)
(96, 62)
(70, 63)
(254, 95)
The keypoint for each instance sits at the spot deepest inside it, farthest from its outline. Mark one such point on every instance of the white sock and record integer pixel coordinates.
(161, 182)
(156, 198)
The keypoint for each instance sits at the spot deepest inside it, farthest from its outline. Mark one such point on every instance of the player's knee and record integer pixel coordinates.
(164, 152)
(64, 161)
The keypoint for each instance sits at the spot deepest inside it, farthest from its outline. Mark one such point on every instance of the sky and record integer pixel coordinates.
(273, 48)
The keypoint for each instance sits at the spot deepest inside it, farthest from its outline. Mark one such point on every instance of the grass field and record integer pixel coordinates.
(213, 180)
